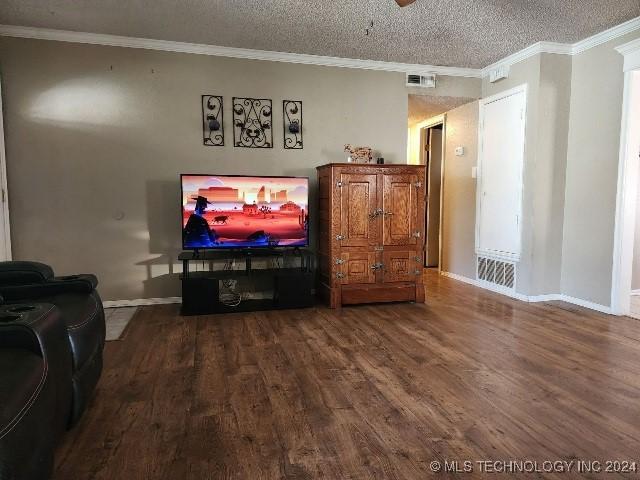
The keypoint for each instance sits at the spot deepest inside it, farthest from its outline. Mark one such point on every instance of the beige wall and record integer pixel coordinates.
(571, 170)
(450, 92)
(592, 170)
(526, 72)
(447, 86)
(459, 192)
(547, 181)
(548, 80)
(97, 133)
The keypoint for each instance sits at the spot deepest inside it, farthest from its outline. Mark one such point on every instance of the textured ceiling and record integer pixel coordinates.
(461, 33)
(423, 107)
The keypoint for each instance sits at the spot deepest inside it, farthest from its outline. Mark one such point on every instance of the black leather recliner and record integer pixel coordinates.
(35, 398)
(81, 311)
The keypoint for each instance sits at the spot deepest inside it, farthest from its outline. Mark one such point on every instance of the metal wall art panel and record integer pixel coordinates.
(252, 123)
(292, 118)
(212, 121)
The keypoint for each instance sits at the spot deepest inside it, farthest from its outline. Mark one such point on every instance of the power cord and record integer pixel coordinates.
(228, 295)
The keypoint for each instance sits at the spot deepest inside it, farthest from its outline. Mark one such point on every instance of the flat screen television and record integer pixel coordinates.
(231, 211)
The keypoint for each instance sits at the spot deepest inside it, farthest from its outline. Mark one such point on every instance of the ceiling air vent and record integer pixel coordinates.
(424, 81)
(497, 272)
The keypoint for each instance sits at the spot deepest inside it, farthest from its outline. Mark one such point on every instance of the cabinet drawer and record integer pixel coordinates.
(356, 267)
(403, 266)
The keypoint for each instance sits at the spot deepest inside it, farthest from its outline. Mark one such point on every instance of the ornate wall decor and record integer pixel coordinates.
(212, 116)
(292, 118)
(252, 123)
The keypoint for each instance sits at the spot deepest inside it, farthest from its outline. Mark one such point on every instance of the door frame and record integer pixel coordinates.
(4, 192)
(426, 125)
(628, 176)
(514, 257)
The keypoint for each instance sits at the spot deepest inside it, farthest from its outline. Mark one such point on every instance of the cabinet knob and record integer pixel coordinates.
(377, 266)
(339, 275)
(339, 261)
(339, 237)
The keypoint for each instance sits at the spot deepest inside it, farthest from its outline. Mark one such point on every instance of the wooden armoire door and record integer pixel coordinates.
(356, 267)
(401, 266)
(358, 201)
(400, 210)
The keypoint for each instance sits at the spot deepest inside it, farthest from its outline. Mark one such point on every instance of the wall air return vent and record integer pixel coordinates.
(424, 81)
(497, 272)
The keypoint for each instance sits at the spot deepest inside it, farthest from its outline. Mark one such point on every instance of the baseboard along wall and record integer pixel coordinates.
(139, 302)
(476, 283)
(530, 298)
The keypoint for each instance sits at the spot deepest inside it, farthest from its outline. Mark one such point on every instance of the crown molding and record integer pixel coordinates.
(231, 52)
(603, 37)
(631, 53)
(566, 48)
(530, 51)
(629, 47)
(250, 54)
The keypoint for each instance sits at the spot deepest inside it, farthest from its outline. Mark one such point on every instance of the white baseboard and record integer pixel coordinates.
(635, 292)
(530, 299)
(139, 302)
(550, 297)
(587, 304)
(487, 286)
(476, 283)
(460, 278)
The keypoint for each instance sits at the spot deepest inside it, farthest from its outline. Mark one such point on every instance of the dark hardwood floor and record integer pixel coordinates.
(369, 392)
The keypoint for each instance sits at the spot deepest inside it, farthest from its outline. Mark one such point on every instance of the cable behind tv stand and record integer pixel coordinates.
(211, 277)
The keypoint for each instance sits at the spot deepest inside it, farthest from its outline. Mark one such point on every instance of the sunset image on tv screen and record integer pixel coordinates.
(233, 212)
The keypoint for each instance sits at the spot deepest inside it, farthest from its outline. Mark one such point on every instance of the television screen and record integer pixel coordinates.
(223, 211)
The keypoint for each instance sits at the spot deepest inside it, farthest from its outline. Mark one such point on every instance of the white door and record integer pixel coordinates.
(5, 237)
(500, 166)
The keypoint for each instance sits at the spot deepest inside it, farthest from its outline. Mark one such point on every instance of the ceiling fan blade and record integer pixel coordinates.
(404, 3)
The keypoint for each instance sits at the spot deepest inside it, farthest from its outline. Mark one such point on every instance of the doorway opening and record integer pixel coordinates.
(427, 141)
(433, 156)
(5, 234)
(626, 248)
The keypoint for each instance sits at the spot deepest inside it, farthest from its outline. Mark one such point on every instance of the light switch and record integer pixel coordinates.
(459, 151)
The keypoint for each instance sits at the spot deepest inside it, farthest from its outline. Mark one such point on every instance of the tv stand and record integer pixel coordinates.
(288, 281)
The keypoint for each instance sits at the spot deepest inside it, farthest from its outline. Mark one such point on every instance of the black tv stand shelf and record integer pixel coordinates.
(290, 281)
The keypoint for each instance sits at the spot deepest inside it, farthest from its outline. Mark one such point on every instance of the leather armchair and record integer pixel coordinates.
(35, 398)
(81, 309)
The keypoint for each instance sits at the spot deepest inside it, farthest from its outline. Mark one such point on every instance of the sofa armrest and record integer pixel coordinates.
(30, 327)
(39, 328)
(24, 273)
(85, 283)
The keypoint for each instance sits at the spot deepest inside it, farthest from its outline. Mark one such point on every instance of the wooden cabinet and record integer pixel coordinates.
(371, 233)
(358, 198)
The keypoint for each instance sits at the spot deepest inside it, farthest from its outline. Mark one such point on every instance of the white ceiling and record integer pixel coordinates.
(461, 33)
